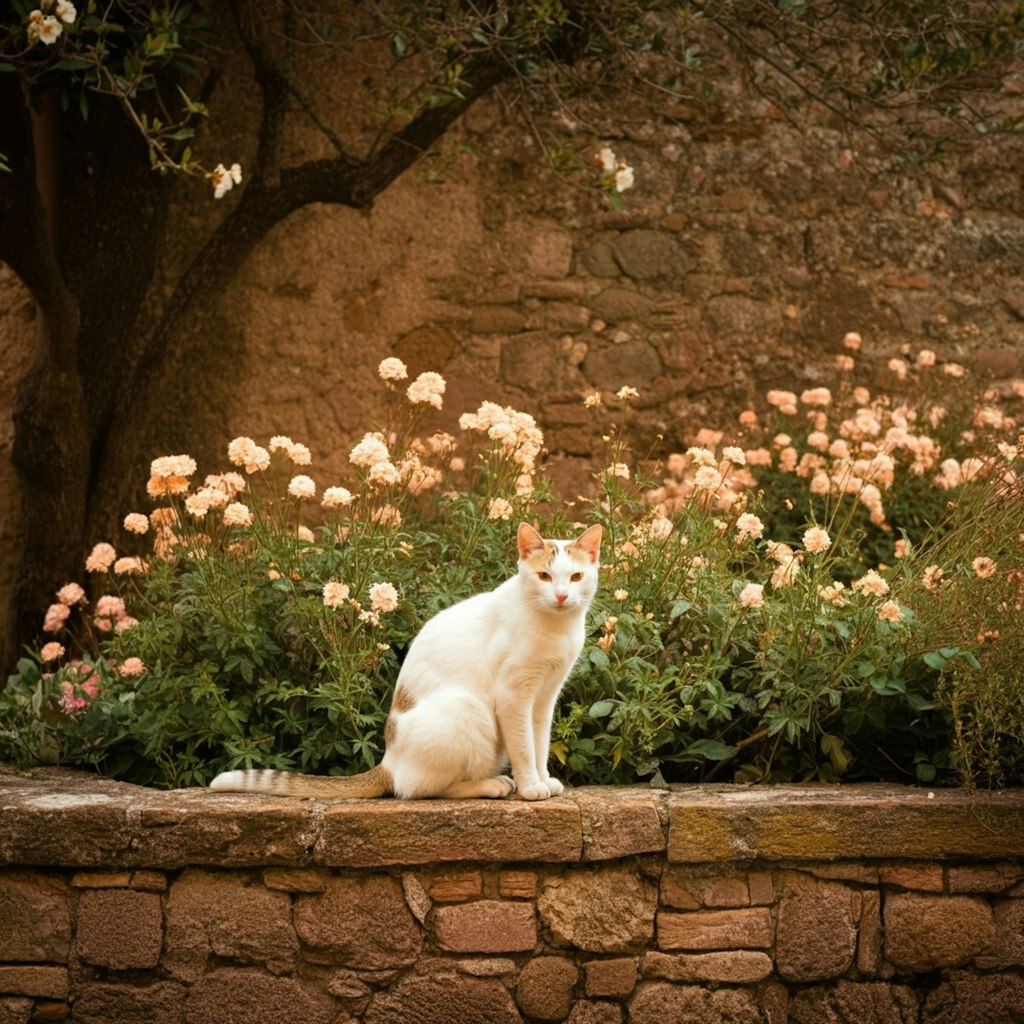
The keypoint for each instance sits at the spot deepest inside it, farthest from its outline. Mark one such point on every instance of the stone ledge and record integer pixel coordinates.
(64, 818)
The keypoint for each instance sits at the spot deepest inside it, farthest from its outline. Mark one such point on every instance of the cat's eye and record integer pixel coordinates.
(545, 576)
(576, 577)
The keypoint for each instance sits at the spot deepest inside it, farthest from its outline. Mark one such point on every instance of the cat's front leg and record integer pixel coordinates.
(517, 731)
(543, 713)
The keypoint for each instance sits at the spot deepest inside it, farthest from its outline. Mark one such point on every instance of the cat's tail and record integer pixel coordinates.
(376, 782)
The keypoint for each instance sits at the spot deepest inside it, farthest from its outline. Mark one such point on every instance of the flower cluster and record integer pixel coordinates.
(616, 174)
(46, 24)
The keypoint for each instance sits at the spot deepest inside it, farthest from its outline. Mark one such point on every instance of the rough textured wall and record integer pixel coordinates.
(750, 244)
(718, 905)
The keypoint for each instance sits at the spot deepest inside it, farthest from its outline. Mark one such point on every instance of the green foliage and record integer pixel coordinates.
(759, 616)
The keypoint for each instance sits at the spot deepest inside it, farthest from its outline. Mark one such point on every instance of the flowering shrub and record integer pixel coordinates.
(833, 590)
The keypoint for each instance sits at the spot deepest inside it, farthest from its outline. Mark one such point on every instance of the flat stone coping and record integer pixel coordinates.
(63, 818)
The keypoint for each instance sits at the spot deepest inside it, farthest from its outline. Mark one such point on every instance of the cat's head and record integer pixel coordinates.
(559, 575)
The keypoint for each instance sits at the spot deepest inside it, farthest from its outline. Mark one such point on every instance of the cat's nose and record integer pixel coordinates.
(561, 598)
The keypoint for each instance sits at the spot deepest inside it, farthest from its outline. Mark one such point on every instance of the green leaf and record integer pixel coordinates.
(398, 46)
(679, 608)
(601, 709)
(713, 750)
(935, 660)
(598, 658)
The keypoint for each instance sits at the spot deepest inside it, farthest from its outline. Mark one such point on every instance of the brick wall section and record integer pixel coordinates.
(811, 905)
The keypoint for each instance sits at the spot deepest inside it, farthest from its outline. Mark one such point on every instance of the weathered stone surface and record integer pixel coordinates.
(714, 823)
(736, 967)
(496, 320)
(15, 1011)
(294, 880)
(982, 877)
(586, 1012)
(869, 933)
(623, 827)
(1008, 949)
(119, 928)
(545, 985)
(716, 929)
(692, 888)
(359, 923)
(422, 1000)
(101, 880)
(231, 996)
(487, 967)
(617, 304)
(976, 999)
(658, 1002)
(416, 898)
(613, 978)
(102, 1003)
(486, 926)
(517, 884)
(602, 910)
(532, 360)
(923, 877)
(35, 920)
(455, 886)
(646, 253)
(550, 251)
(923, 933)
(609, 367)
(29, 980)
(854, 1003)
(816, 929)
(219, 913)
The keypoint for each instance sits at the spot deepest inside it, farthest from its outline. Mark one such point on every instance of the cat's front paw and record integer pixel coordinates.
(536, 791)
(554, 786)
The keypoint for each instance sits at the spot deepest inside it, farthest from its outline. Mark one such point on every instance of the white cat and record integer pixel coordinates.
(477, 690)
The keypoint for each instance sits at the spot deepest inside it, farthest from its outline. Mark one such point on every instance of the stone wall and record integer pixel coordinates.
(710, 904)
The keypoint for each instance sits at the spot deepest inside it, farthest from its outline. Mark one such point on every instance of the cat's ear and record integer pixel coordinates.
(589, 541)
(529, 541)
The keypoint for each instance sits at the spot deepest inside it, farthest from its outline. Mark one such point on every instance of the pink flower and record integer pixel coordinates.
(427, 389)
(237, 514)
(71, 594)
(852, 340)
(51, 651)
(499, 508)
(816, 540)
(369, 451)
(984, 567)
(56, 616)
(392, 368)
(871, 583)
(752, 596)
(336, 497)
(890, 611)
(383, 597)
(748, 525)
(136, 522)
(101, 558)
(132, 667)
(335, 594)
(302, 487)
(129, 566)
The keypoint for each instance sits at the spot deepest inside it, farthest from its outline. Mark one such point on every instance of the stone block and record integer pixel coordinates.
(486, 926)
(625, 826)
(854, 1003)
(614, 978)
(35, 917)
(869, 934)
(219, 913)
(925, 933)
(749, 928)
(734, 967)
(295, 880)
(617, 304)
(487, 967)
(1008, 949)
(967, 998)
(496, 320)
(600, 910)
(416, 898)
(440, 1000)
(982, 878)
(586, 1012)
(646, 253)
(456, 886)
(922, 877)
(15, 1011)
(101, 880)
(517, 884)
(119, 928)
(816, 929)
(359, 922)
(693, 888)
(809, 823)
(634, 362)
(658, 1002)
(545, 985)
(28, 980)
(104, 1003)
(242, 996)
